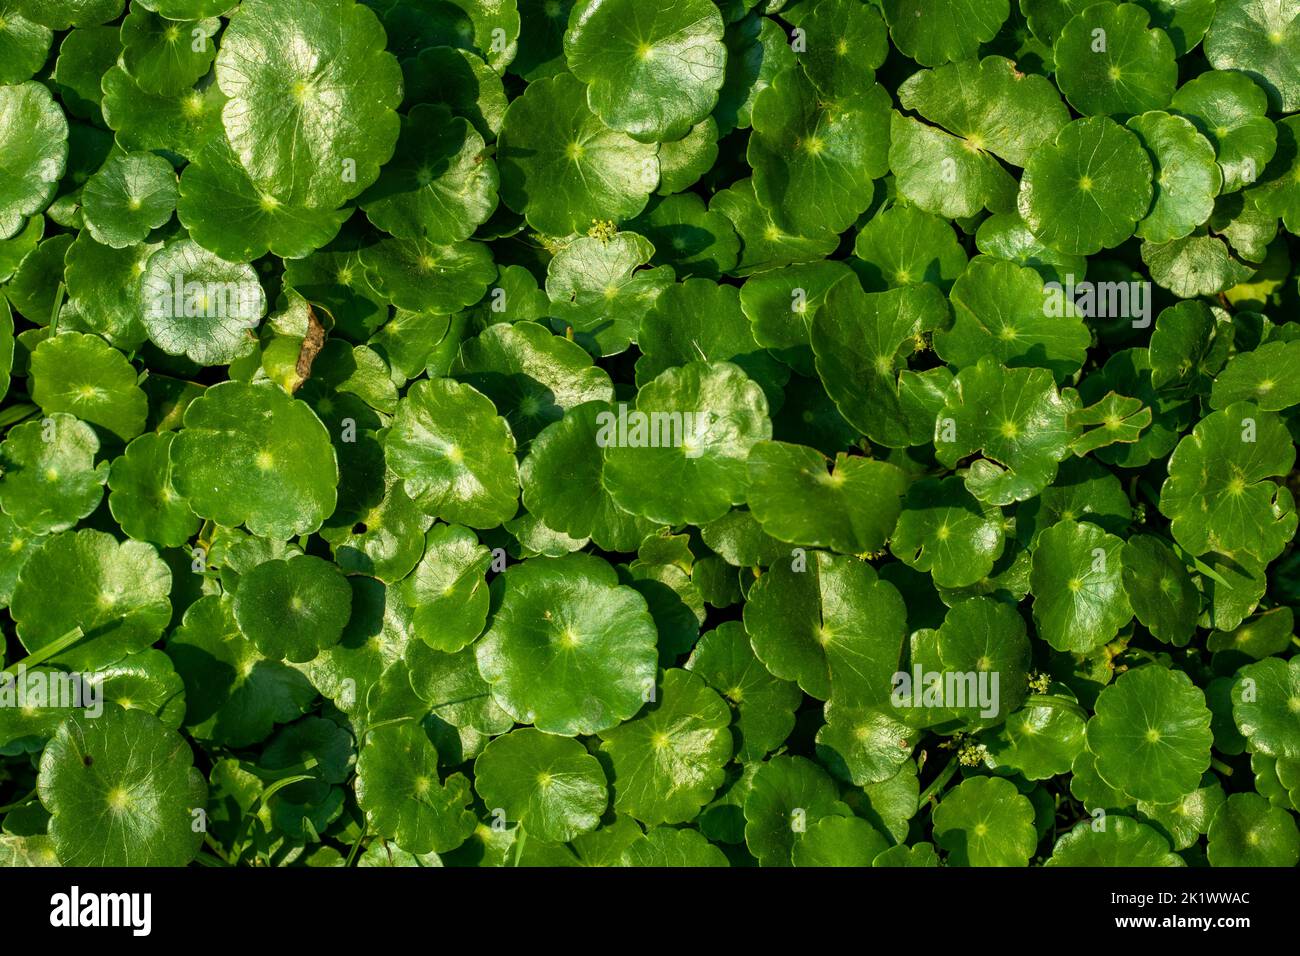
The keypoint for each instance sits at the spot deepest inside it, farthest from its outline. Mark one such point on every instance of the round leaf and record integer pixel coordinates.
(569, 649)
(121, 790)
(250, 454)
(1151, 734)
(550, 785)
(653, 73)
(293, 609)
(312, 98)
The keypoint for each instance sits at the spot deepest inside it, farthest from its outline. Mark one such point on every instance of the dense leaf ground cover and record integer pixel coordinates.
(529, 432)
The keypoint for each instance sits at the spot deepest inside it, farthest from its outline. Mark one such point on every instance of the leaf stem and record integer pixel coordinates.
(16, 413)
(45, 653)
(19, 803)
(1220, 766)
(356, 847)
(939, 782)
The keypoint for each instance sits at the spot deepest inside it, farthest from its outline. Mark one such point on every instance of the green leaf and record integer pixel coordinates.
(447, 590)
(122, 791)
(250, 454)
(82, 376)
(668, 761)
(990, 104)
(904, 245)
(130, 196)
(491, 28)
(689, 237)
(1087, 189)
(1230, 111)
(312, 98)
(764, 245)
(764, 704)
(652, 73)
(815, 161)
(1186, 820)
(1261, 38)
(231, 217)
(456, 454)
(839, 841)
(843, 42)
(932, 32)
(34, 144)
(1160, 589)
(561, 478)
(141, 497)
(562, 168)
(1263, 706)
(1246, 831)
(1006, 236)
(1109, 63)
(1079, 597)
(531, 376)
(944, 530)
(828, 623)
(1261, 377)
(459, 79)
(1039, 742)
(48, 478)
(550, 785)
(399, 789)
(61, 14)
(1195, 265)
(199, 305)
(862, 342)
(985, 822)
(1123, 842)
(1151, 734)
(24, 44)
(597, 289)
(1187, 178)
(234, 695)
(666, 846)
(440, 185)
(1016, 419)
(851, 509)
(1003, 310)
(182, 122)
(1219, 496)
(1116, 418)
(946, 175)
(167, 55)
(662, 466)
(863, 745)
(116, 593)
(569, 649)
(786, 796)
(293, 609)
(422, 276)
(102, 285)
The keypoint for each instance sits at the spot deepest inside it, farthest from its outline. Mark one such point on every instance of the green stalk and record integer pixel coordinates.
(46, 652)
(16, 413)
(19, 803)
(939, 782)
